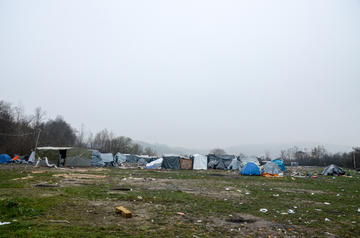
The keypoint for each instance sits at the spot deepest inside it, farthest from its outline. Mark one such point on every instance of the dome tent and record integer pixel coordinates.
(250, 169)
(5, 158)
(333, 170)
(280, 163)
(271, 168)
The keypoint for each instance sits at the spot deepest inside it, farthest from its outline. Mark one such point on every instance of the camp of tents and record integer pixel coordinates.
(80, 157)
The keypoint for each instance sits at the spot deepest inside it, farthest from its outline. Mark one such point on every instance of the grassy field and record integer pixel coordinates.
(81, 203)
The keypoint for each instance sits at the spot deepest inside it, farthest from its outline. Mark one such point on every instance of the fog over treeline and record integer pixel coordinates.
(19, 133)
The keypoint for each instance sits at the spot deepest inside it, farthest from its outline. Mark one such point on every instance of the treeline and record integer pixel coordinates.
(20, 133)
(318, 156)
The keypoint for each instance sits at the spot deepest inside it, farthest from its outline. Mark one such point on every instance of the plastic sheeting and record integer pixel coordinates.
(107, 157)
(271, 168)
(200, 162)
(333, 170)
(156, 164)
(235, 165)
(5, 158)
(280, 163)
(220, 161)
(32, 157)
(171, 162)
(132, 158)
(120, 158)
(244, 161)
(96, 159)
(250, 169)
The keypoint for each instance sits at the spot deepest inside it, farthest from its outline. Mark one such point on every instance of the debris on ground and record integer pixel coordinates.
(327, 219)
(79, 176)
(180, 213)
(59, 221)
(291, 211)
(4, 223)
(264, 210)
(23, 178)
(123, 211)
(326, 203)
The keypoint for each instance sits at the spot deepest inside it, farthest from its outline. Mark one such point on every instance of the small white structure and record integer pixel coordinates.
(156, 164)
(200, 162)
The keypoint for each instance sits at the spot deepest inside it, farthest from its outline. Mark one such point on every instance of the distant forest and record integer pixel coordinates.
(19, 134)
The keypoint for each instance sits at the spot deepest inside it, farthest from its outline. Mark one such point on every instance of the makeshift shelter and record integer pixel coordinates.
(66, 156)
(147, 158)
(96, 159)
(280, 163)
(171, 162)
(333, 170)
(132, 158)
(250, 169)
(120, 158)
(199, 162)
(235, 165)
(5, 158)
(219, 161)
(156, 164)
(272, 169)
(244, 161)
(186, 163)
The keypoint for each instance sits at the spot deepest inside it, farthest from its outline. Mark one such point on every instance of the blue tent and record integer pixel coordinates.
(280, 163)
(250, 169)
(4, 159)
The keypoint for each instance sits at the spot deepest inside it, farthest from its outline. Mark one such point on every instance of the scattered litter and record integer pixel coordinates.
(80, 176)
(276, 195)
(239, 190)
(318, 210)
(247, 193)
(122, 189)
(180, 213)
(291, 211)
(4, 223)
(359, 210)
(264, 210)
(139, 197)
(225, 199)
(326, 203)
(327, 219)
(123, 211)
(312, 193)
(23, 178)
(199, 221)
(295, 207)
(338, 195)
(227, 189)
(59, 221)
(47, 185)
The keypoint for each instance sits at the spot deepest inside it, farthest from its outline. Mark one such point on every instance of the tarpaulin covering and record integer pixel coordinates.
(156, 164)
(171, 162)
(5, 158)
(235, 165)
(132, 158)
(333, 170)
(280, 163)
(96, 159)
(107, 157)
(244, 161)
(32, 157)
(200, 162)
(220, 161)
(250, 169)
(120, 158)
(271, 168)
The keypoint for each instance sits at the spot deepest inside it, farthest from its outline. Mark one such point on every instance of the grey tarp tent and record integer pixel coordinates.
(219, 161)
(244, 161)
(271, 168)
(171, 162)
(333, 170)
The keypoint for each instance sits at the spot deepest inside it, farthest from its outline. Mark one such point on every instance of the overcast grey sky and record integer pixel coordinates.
(194, 73)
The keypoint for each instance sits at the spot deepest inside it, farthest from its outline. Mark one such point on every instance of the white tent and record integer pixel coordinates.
(200, 162)
(156, 164)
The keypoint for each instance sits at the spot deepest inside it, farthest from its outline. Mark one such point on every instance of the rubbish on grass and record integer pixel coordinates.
(123, 211)
(326, 203)
(276, 195)
(264, 210)
(180, 213)
(327, 219)
(139, 197)
(227, 189)
(359, 210)
(291, 211)
(247, 193)
(59, 221)
(4, 223)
